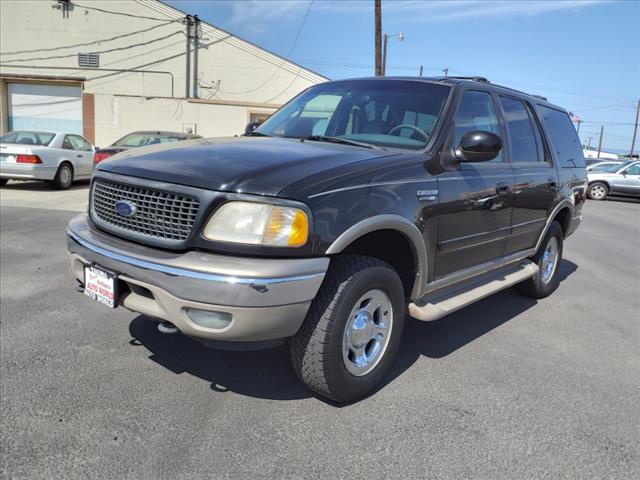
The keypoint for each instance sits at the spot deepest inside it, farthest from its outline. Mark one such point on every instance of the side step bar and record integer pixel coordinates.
(439, 304)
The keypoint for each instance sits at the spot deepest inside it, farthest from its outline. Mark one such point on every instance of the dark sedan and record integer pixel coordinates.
(140, 139)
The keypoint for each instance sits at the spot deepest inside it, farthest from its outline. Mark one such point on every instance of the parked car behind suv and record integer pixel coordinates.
(140, 139)
(355, 203)
(618, 179)
(57, 157)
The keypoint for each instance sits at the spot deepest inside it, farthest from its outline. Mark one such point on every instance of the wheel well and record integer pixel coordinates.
(68, 163)
(564, 217)
(392, 247)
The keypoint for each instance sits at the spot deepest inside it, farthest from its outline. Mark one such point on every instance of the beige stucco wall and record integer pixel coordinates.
(117, 115)
(234, 69)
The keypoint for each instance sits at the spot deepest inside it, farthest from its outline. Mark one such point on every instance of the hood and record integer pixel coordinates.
(257, 165)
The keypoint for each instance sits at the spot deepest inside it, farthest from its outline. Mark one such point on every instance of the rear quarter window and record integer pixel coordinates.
(563, 137)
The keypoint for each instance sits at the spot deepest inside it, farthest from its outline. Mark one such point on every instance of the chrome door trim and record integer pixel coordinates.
(476, 270)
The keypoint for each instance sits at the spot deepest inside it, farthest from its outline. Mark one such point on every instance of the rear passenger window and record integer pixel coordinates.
(476, 112)
(564, 139)
(525, 144)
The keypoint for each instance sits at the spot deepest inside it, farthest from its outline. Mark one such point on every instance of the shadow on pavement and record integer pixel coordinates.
(41, 186)
(268, 373)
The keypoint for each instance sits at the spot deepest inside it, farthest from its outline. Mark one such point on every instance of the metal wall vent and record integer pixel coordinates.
(88, 59)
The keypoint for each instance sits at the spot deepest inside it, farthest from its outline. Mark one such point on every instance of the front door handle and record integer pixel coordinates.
(503, 188)
(79, 156)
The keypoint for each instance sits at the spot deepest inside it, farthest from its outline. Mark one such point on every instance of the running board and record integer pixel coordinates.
(439, 304)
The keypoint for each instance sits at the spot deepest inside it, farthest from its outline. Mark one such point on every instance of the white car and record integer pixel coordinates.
(57, 157)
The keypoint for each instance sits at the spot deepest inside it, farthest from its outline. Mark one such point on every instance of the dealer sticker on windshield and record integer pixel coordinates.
(100, 285)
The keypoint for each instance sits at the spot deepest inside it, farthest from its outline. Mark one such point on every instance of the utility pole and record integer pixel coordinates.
(420, 70)
(589, 144)
(196, 45)
(187, 20)
(635, 129)
(600, 141)
(384, 54)
(378, 30)
(578, 129)
(446, 72)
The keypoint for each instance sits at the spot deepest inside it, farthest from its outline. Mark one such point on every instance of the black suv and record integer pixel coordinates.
(356, 203)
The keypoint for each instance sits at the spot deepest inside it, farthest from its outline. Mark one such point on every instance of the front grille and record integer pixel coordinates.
(158, 214)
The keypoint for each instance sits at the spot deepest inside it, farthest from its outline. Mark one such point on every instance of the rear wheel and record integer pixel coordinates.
(548, 260)
(598, 191)
(353, 329)
(64, 177)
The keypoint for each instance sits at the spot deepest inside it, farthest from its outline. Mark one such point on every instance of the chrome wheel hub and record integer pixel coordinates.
(549, 260)
(598, 191)
(367, 333)
(65, 175)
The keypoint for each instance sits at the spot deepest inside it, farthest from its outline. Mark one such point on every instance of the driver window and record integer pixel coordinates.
(633, 170)
(476, 112)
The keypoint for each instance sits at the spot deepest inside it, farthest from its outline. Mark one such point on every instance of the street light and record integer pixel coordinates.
(400, 37)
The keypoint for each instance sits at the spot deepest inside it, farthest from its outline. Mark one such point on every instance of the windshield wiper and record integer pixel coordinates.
(344, 141)
(256, 134)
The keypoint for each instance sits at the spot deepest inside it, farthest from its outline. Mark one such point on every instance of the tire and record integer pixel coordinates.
(544, 283)
(64, 177)
(598, 191)
(318, 351)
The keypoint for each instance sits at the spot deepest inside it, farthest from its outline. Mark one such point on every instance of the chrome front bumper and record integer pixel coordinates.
(267, 298)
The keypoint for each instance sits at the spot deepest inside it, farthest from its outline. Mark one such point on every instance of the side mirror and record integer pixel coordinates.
(479, 146)
(251, 127)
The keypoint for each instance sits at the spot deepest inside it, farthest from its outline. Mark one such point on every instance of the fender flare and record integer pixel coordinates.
(390, 222)
(564, 203)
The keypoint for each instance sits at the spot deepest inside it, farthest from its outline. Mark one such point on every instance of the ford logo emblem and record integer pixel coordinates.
(125, 208)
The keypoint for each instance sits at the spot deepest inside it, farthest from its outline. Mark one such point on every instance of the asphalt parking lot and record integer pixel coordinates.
(506, 388)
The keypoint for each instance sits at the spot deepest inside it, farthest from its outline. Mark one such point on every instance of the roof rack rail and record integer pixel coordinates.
(475, 79)
(540, 97)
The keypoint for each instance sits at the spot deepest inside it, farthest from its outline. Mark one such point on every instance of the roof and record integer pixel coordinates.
(183, 13)
(463, 80)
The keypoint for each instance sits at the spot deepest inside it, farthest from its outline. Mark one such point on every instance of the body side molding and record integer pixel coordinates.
(390, 222)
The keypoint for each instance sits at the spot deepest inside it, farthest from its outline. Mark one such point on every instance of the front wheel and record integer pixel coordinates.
(548, 258)
(598, 191)
(352, 330)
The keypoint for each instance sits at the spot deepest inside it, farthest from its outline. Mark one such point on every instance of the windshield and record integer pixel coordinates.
(606, 167)
(144, 139)
(397, 113)
(28, 138)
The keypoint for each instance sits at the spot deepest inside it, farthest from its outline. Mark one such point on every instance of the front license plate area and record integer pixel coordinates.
(101, 285)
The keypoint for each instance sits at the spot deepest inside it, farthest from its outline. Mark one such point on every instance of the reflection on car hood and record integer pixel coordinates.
(259, 165)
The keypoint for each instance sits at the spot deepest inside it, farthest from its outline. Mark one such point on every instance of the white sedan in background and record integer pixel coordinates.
(57, 157)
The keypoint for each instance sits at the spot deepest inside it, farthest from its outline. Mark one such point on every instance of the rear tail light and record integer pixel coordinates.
(99, 156)
(28, 159)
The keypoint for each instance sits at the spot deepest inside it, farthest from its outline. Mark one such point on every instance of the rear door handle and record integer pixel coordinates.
(79, 156)
(503, 188)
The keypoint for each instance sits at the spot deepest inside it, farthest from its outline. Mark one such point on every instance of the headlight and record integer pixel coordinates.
(258, 224)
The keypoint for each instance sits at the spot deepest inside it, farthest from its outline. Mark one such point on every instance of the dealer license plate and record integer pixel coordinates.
(100, 285)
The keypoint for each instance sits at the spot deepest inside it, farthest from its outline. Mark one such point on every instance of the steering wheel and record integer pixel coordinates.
(412, 127)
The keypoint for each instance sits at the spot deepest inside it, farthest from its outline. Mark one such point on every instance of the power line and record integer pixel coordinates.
(116, 49)
(602, 107)
(286, 59)
(143, 17)
(86, 44)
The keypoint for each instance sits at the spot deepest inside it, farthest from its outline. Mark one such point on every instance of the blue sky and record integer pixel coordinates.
(583, 55)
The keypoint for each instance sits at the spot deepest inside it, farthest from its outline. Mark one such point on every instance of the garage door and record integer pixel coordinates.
(44, 107)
